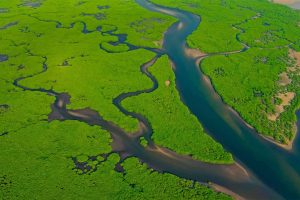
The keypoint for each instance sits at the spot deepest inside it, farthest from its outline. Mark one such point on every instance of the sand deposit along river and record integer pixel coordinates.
(277, 168)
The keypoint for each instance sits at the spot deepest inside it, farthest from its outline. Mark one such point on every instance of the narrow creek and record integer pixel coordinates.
(274, 166)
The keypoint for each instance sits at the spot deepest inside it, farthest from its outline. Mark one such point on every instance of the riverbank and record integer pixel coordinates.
(288, 146)
(224, 190)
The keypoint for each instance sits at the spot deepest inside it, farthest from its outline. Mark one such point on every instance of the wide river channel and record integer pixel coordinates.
(276, 167)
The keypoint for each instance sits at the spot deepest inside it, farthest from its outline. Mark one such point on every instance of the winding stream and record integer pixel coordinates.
(273, 165)
(267, 171)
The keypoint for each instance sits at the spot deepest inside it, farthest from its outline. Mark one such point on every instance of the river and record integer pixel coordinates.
(274, 166)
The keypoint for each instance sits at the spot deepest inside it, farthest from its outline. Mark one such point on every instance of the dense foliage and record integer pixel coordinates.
(255, 97)
(69, 39)
(37, 163)
(166, 112)
(56, 45)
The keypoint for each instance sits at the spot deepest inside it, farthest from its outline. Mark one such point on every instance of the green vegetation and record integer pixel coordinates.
(64, 46)
(254, 98)
(45, 31)
(249, 81)
(273, 24)
(165, 112)
(114, 48)
(37, 164)
(55, 46)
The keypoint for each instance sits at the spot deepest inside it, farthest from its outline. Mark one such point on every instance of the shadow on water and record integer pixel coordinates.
(276, 167)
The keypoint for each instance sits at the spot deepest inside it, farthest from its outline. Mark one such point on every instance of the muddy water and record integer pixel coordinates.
(277, 168)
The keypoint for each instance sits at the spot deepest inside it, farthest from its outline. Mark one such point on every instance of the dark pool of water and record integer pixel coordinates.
(32, 4)
(3, 57)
